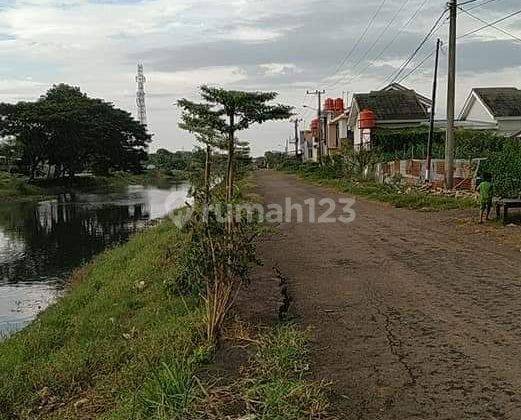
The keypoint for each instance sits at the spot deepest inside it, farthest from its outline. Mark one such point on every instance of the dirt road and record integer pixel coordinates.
(414, 317)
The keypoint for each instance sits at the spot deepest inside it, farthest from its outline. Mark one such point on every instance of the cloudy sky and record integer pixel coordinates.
(287, 46)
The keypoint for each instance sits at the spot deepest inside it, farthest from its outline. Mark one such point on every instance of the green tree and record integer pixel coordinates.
(198, 119)
(231, 111)
(170, 161)
(70, 132)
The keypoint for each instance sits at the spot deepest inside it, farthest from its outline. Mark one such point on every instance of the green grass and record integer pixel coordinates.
(113, 347)
(115, 181)
(13, 187)
(277, 386)
(18, 188)
(414, 199)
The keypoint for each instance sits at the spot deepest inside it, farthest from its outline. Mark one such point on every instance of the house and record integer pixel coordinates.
(391, 108)
(334, 123)
(338, 132)
(499, 107)
(306, 145)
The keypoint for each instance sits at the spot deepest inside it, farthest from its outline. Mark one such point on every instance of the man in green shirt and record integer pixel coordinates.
(486, 192)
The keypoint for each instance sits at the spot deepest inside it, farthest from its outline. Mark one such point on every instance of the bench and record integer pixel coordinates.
(505, 204)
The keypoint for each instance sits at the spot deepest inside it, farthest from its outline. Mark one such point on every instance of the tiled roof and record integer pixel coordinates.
(501, 102)
(392, 105)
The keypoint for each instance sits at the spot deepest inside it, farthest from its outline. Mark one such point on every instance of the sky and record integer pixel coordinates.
(290, 46)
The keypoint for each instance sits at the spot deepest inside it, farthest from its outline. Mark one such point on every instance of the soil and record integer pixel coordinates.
(415, 315)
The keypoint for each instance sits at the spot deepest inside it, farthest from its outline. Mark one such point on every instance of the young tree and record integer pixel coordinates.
(197, 119)
(230, 111)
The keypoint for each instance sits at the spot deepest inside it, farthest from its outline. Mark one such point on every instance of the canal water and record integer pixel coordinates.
(41, 243)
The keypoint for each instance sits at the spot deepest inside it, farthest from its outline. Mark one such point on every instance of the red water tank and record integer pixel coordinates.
(314, 126)
(339, 105)
(330, 104)
(367, 119)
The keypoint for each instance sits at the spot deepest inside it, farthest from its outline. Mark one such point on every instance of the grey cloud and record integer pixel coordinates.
(479, 56)
(320, 36)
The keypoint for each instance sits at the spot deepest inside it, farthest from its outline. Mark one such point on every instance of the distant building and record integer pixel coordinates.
(306, 145)
(338, 132)
(334, 116)
(498, 108)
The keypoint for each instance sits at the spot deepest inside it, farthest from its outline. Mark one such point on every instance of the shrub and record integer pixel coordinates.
(412, 144)
(505, 168)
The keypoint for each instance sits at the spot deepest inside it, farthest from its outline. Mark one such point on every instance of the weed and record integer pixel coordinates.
(275, 384)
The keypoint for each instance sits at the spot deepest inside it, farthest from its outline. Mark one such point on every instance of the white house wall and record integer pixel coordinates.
(357, 135)
(478, 112)
(509, 127)
(342, 128)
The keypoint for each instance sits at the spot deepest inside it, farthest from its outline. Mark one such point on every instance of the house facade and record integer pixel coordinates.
(334, 112)
(499, 108)
(338, 132)
(306, 145)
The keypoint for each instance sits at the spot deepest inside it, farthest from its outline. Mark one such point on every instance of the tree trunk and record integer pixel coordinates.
(207, 175)
(231, 149)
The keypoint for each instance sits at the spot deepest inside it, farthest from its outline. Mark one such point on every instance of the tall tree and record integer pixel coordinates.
(231, 111)
(68, 131)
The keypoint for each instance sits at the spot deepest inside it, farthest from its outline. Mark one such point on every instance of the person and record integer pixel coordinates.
(486, 192)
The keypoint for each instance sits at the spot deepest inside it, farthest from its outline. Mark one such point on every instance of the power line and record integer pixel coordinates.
(488, 25)
(481, 5)
(467, 2)
(394, 76)
(416, 68)
(492, 25)
(378, 38)
(360, 38)
(473, 16)
(391, 42)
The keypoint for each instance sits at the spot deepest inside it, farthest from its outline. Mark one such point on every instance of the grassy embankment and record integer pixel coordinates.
(121, 345)
(15, 188)
(12, 187)
(411, 198)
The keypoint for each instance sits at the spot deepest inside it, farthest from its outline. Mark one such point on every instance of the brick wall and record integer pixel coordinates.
(413, 172)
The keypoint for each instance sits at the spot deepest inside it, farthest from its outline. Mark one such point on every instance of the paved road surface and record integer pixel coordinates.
(414, 318)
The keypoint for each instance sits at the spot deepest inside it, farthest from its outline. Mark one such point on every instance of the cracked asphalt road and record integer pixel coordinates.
(413, 317)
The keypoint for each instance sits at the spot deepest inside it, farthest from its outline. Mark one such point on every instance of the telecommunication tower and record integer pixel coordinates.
(140, 99)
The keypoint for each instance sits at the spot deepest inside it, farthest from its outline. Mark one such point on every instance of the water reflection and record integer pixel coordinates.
(40, 243)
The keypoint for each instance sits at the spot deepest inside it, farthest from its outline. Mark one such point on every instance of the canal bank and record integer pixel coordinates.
(126, 342)
(100, 347)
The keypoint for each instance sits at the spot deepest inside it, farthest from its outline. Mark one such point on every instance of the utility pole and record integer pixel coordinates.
(296, 121)
(451, 96)
(319, 94)
(433, 113)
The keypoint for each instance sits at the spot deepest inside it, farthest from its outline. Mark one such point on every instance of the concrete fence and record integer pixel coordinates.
(413, 171)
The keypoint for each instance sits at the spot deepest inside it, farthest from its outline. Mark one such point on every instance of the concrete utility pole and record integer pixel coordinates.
(319, 94)
(296, 121)
(433, 113)
(451, 96)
